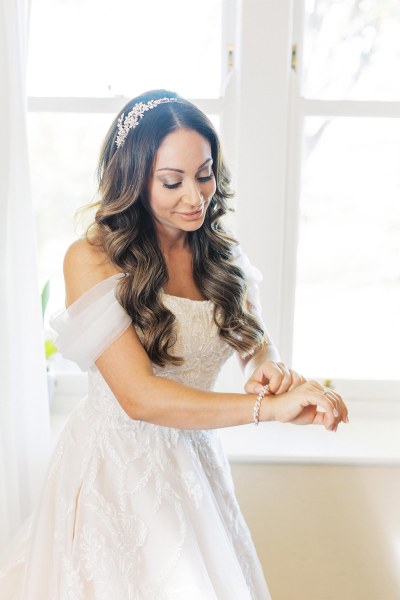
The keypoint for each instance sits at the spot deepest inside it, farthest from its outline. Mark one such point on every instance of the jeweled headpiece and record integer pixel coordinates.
(133, 117)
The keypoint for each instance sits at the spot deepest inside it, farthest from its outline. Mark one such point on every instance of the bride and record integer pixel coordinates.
(138, 502)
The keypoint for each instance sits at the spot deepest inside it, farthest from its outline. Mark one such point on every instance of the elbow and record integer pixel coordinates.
(139, 402)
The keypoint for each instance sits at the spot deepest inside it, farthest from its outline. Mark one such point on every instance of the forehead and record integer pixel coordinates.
(183, 147)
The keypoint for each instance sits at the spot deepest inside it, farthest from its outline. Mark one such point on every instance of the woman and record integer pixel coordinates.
(139, 501)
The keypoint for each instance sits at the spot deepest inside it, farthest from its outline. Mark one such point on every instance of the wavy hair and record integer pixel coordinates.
(123, 228)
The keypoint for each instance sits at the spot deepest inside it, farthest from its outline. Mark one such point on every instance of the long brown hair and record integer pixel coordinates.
(123, 228)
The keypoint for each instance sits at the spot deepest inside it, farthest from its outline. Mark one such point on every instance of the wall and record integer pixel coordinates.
(324, 532)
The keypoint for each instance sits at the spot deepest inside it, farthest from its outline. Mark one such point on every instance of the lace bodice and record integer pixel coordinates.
(94, 321)
(197, 341)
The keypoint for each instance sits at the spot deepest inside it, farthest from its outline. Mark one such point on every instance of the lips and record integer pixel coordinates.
(192, 213)
(193, 216)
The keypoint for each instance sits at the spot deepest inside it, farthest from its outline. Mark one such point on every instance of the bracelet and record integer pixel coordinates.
(257, 405)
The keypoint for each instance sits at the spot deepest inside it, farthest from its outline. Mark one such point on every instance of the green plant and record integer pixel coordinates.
(49, 346)
(328, 383)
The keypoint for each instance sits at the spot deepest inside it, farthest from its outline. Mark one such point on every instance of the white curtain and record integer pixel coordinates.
(24, 413)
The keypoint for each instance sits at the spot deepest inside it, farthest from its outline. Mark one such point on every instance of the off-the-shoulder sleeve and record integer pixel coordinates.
(253, 278)
(90, 324)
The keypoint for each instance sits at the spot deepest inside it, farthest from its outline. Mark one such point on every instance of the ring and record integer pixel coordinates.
(333, 402)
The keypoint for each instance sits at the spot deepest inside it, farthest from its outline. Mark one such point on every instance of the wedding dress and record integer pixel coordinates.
(131, 510)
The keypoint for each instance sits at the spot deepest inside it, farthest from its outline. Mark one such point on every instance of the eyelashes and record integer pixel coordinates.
(174, 186)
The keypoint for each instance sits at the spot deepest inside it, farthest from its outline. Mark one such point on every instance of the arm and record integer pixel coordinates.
(127, 369)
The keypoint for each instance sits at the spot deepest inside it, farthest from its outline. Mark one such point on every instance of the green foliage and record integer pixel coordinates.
(328, 383)
(49, 346)
(45, 297)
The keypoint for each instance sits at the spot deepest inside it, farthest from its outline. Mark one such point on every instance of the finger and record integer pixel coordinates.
(317, 385)
(323, 418)
(286, 381)
(335, 411)
(333, 397)
(333, 400)
(319, 418)
(344, 413)
(264, 374)
(328, 419)
(296, 379)
(340, 406)
(275, 379)
(336, 404)
(253, 386)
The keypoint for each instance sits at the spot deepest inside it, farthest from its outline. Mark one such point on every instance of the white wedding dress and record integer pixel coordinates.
(131, 510)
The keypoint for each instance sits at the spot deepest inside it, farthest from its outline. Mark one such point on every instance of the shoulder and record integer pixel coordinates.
(84, 266)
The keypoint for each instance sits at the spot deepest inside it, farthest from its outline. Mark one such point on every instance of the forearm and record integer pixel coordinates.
(165, 402)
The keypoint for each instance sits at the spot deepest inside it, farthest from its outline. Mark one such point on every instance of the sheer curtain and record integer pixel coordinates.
(24, 413)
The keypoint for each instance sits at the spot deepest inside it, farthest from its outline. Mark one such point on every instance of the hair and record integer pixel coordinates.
(124, 230)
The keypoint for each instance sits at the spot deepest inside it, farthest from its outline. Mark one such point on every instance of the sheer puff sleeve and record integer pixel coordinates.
(90, 324)
(253, 279)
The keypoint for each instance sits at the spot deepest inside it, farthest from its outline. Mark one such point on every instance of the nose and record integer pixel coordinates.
(193, 195)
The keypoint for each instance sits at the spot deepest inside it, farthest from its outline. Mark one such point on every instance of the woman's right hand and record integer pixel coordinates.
(299, 406)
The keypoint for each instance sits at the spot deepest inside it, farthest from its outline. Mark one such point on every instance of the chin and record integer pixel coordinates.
(192, 226)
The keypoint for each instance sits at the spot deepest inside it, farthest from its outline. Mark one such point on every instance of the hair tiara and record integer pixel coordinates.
(133, 117)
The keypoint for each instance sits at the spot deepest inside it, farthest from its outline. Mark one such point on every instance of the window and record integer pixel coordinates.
(323, 227)
(86, 60)
(105, 49)
(351, 50)
(348, 269)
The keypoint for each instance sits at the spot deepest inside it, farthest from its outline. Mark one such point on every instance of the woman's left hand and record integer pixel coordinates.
(277, 375)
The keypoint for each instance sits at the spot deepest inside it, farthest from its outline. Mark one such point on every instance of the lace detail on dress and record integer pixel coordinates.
(136, 511)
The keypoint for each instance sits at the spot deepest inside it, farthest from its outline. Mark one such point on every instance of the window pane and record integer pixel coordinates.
(347, 317)
(352, 49)
(101, 48)
(63, 154)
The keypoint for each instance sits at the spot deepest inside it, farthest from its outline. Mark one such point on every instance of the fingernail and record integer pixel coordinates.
(259, 389)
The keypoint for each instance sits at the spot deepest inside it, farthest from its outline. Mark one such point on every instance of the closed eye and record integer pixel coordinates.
(174, 186)
(205, 179)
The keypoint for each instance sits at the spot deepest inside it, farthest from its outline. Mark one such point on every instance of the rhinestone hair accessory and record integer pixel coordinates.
(133, 117)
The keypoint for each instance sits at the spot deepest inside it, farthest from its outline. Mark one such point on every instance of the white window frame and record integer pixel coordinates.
(262, 115)
(299, 108)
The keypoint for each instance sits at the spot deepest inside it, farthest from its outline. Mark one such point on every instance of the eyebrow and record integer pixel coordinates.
(180, 170)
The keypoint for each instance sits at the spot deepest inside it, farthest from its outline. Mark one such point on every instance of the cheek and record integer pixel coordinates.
(210, 189)
(160, 198)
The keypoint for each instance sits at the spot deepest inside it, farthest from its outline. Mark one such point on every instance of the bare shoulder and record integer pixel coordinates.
(84, 266)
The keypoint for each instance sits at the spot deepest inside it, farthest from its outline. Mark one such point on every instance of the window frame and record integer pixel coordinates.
(260, 99)
(300, 108)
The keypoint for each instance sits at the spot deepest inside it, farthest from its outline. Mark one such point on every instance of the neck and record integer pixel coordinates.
(172, 240)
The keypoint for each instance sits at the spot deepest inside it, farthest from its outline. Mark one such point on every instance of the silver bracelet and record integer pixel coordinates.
(257, 404)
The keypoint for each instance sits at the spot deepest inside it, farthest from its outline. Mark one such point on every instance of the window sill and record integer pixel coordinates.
(371, 437)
